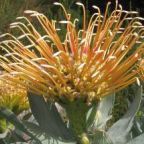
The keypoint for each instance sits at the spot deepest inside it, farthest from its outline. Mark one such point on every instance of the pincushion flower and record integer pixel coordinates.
(12, 96)
(93, 61)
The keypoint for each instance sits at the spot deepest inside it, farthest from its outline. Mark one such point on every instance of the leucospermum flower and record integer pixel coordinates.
(93, 61)
(13, 96)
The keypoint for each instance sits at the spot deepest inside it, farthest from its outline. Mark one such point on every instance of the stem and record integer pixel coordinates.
(76, 112)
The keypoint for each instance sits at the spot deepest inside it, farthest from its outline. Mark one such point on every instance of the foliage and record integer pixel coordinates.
(49, 127)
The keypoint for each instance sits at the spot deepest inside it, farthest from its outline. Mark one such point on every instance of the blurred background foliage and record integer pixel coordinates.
(10, 9)
(14, 98)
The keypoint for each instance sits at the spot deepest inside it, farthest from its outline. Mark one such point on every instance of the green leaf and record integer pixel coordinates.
(102, 113)
(34, 128)
(20, 143)
(4, 134)
(137, 129)
(19, 126)
(99, 137)
(11, 117)
(2, 141)
(10, 136)
(91, 115)
(47, 140)
(43, 137)
(119, 132)
(137, 140)
(48, 118)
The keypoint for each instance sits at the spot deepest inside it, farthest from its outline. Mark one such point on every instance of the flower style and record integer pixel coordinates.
(141, 69)
(93, 61)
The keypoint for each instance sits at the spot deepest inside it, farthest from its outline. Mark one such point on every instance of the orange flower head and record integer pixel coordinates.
(93, 61)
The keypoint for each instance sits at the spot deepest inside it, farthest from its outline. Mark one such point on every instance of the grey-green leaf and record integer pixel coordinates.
(19, 126)
(47, 140)
(33, 128)
(4, 134)
(11, 117)
(48, 118)
(100, 137)
(137, 140)
(119, 132)
(103, 112)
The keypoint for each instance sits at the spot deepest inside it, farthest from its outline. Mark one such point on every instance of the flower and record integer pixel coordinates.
(13, 96)
(93, 61)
